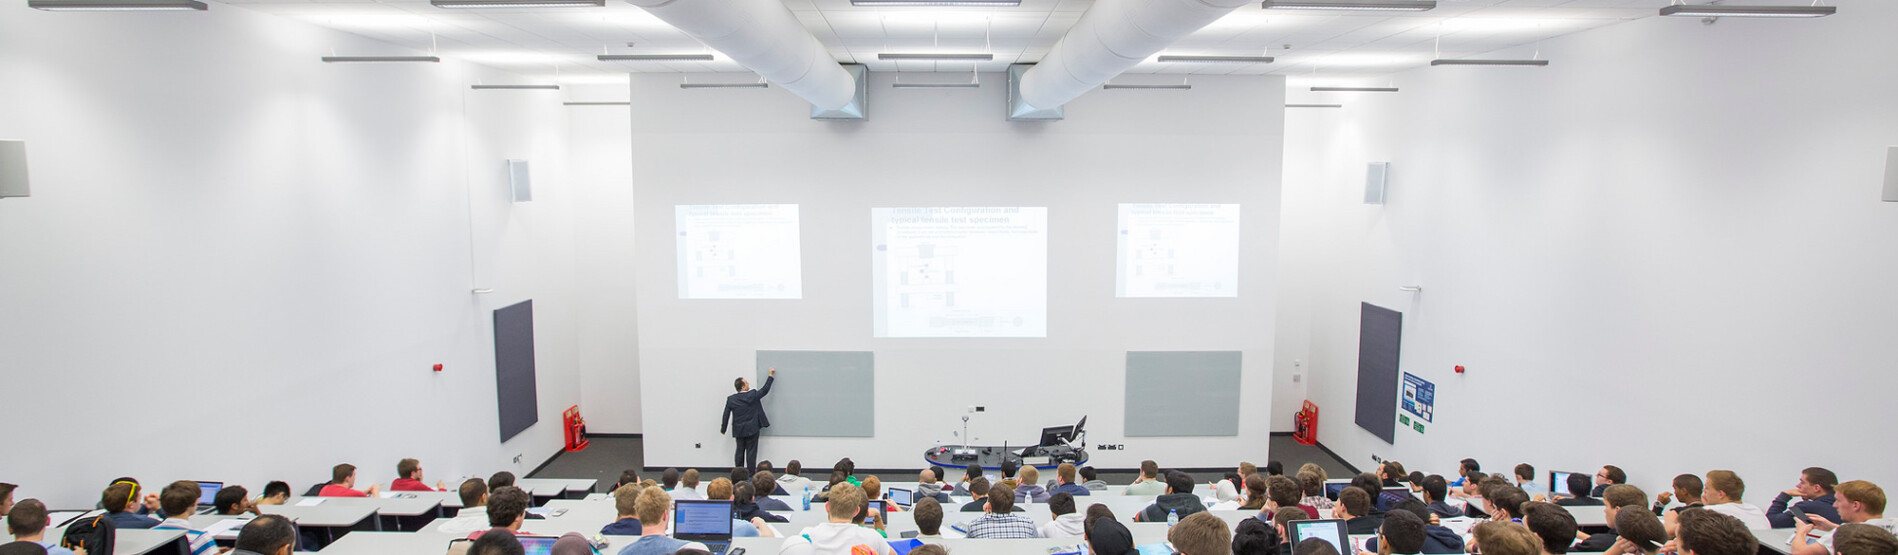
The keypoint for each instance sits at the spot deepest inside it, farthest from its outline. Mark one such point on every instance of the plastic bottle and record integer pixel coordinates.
(807, 498)
(1172, 518)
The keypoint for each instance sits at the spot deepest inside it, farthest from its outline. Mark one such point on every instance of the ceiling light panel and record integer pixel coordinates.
(117, 5)
(1680, 10)
(1352, 5)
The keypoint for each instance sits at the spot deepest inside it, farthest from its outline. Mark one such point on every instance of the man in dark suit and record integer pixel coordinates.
(744, 416)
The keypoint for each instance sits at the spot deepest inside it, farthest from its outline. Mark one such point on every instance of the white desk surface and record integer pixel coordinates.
(422, 503)
(410, 543)
(447, 499)
(333, 512)
(555, 487)
(126, 541)
(1775, 539)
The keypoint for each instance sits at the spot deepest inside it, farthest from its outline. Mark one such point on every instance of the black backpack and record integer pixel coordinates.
(95, 534)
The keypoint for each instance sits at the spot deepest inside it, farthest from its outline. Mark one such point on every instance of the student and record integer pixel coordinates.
(1857, 502)
(266, 535)
(979, 489)
(497, 542)
(969, 474)
(1274, 468)
(1064, 482)
(1463, 471)
(1252, 536)
(1228, 487)
(1313, 485)
(1503, 502)
(343, 482)
(1640, 533)
(1470, 488)
(1608, 475)
(1066, 522)
(1437, 539)
(6, 497)
(1578, 486)
(1686, 487)
(764, 481)
(1401, 533)
(1435, 491)
(1526, 479)
(998, 521)
(1617, 498)
(926, 484)
(836, 477)
(1864, 539)
(1029, 489)
(1178, 499)
(1815, 493)
(275, 493)
(1091, 479)
(1552, 524)
(179, 501)
(653, 508)
(117, 498)
(1711, 532)
(473, 517)
(1391, 474)
(1371, 484)
(1284, 492)
(1256, 496)
(687, 485)
(500, 480)
(1315, 469)
(507, 508)
(410, 472)
(928, 517)
(625, 499)
(1109, 537)
(233, 500)
(839, 536)
(873, 490)
(1354, 508)
(1505, 538)
(721, 490)
(1009, 468)
(1200, 534)
(1282, 523)
(27, 522)
(1148, 483)
(1722, 495)
(1314, 546)
(793, 482)
(746, 508)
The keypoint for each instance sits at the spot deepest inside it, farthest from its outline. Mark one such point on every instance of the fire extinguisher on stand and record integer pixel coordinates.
(576, 429)
(1305, 424)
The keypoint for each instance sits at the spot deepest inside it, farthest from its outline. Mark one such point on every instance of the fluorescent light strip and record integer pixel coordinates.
(351, 59)
(937, 57)
(1680, 10)
(1219, 59)
(935, 85)
(1314, 105)
(1354, 89)
(1111, 86)
(1352, 5)
(963, 3)
(596, 104)
(517, 3)
(515, 87)
(116, 5)
(655, 57)
(1482, 62)
(724, 85)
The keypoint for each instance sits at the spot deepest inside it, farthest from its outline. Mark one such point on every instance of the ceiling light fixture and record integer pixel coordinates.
(1218, 59)
(1111, 86)
(901, 85)
(1314, 105)
(1714, 10)
(596, 104)
(724, 85)
(354, 59)
(1354, 89)
(937, 57)
(1483, 62)
(924, 3)
(515, 87)
(116, 5)
(517, 3)
(655, 57)
(1352, 5)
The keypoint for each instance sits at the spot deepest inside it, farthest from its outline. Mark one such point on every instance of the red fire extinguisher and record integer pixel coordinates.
(1305, 424)
(576, 428)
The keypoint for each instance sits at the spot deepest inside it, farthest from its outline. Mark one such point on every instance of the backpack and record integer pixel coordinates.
(94, 534)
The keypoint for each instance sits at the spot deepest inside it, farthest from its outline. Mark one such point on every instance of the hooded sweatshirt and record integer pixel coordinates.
(1031, 491)
(1437, 540)
(929, 490)
(835, 538)
(1071, 525)
(746, 511)
(1185, 503)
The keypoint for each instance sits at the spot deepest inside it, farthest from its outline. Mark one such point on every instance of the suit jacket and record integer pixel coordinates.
(744, 412)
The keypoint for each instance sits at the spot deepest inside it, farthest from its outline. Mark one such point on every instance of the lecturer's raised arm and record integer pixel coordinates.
(768, 378)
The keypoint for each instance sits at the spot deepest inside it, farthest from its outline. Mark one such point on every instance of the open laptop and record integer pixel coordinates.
(902, 497)
(1332, 489)
(207, 495)
(541, 545)
(1330, 530)
(1558, 483)
(1390, 497)
(705, 521)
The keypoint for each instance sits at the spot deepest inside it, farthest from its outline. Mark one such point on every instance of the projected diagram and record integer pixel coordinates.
(739, 251)
(1178, 250)
(960, 272)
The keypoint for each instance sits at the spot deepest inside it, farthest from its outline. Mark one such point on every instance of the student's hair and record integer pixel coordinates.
(689, 478)
(719, 489)
(1287, 515)
(1867, 493)
(1435, 488)
(500, 480)
(1689, 484)
(6, 489)
(1029, 475)
(1708, 532)
(928, 516)
(738, 384)
(341, 473)
(1475, 477)
(846, 501)
(628, 476)
(1725, 481)
(743, 493)
(1640, 528)
(497, 542)
(1095, 512)
(1247, 468)
(117, 496)
(1863, 539)
(1283, 491)
(765, 465)
(1314, 546)
(1009, 468)
(507, 504)
(1553, 524)
(938, 471)
(1355, 500)
(472, 490)
(1417, 477)
(1508, 538)
(1467, 466)
(1201, 534)
(405, 467)
(1256, 492)
(1315, 469)
(1404, 531)
(1311, 483)
(670, 478)
(1179, 482)
(266, 534)
(1150, 469)
(179, 499)
(650, 507)
(1254, 537)
(979, 486)
(872, 488)
(1413, 506)
(1580, 485)
(793, 468)
(1001, 499)
(1060, 503)
(1395, 470)
(971, 472)
(838, 477)
(1368, 482)
(1274, 468)
(276, 488)
(763, 483)
(1615, 475)
(1825, 479)
(930, 549)
(1508, 498)
(738, 475)
(26, 517)
(1622, 496)
(624, 498)
(1065, 472)
(1088, 474)
(1526, 471)
(230, 500)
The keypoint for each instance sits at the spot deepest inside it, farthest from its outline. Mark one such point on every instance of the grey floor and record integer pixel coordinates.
(606, 457)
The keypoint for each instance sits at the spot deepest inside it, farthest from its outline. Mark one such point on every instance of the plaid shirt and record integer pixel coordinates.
(1008, 526)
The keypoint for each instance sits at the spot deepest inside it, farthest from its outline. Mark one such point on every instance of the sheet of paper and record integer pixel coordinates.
(226, 529)
(310, 502)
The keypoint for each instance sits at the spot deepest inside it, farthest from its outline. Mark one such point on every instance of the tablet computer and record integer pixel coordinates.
(1330, 530)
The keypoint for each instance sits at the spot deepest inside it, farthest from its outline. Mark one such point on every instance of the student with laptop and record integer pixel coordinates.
(1401, 533)
(410, 477)
(1857, 502)
(1313, 484)
(1066, 523)
(764, 481)
(1579, 493)
(1282, 521)
(1617, 498)
(1148, 483)
(1814, 494)
(1354, 508)
(266, 535)
(838, 536)
(1178, 499)
(27, 522)
(119, 497)
(179, 501)
(1437, 539)
(999, 521)
(721, 490)
(1200, 534)
(1722, 495)
(343, 482)
(654, 509)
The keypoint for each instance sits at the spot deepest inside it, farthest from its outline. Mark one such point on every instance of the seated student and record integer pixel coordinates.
(275, 493)
(473, 517)
(1313, 485)
(1200, 534)
(839, 536)
(1371, 484)
(1722, 495)
(1857, 502)
(500, 480)
(410, 472)
(1526, 479)
(343, 482)
(1314, 546)
(1503, 502)
(1066, 522)
(1106, 536)
(721, 490)
(1252, 536)
(792, 482)
(1686, 487)
(1608, 475)
(1617, 498)
(969, 474)
(1416, 481)
(1505, 538)
(746, 508)
(1435, 492)
(27, 522)
(1030, 490)
(1274, 468)
(1391, 474)
(1282, 523)
(1354, 508)
(1008, 469)
(1178, 499)
(1229, 487)
(497, 542)
(1148, 482)
(928, 486)
(1711, 532)
(1815, 493)
(1640, 533)
(1437, 539)
(628, 476)
(849, 468)
(1091, 479)
(1283, 492)
(928, 517)
(738, 475)
(873, 491)
(625, 499)
(836, 477)
(179, 501)
(764, 481)
(1578, 488)
(688, 485)
(1864, 539)
(1256, 496)
(1401, 533)
(6, 497)
(1463, 470)
(233, 500)
(507, 509)
(998, 521)
(266, 535)
(653, 508)
(117, 498)
(1064, 482)
(1470, 488)
(1552, 524)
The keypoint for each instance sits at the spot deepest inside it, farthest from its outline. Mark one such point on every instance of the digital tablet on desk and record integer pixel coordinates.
(1330, 530)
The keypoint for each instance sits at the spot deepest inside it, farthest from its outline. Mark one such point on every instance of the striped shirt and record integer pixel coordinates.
(201, 543)
(1008, 526)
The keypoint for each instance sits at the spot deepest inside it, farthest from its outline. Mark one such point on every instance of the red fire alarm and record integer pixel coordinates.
(438, 368)
(1459, 369)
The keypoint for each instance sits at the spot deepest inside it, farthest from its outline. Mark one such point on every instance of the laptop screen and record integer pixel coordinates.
(702, 519)
(876, 507)
(901, 497)
(1558, 482)
(1332, 489)
(540, 545)
(1390, 497)
(1331, 531)
(208, 492)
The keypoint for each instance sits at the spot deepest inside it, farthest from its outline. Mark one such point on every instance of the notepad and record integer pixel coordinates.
(310, 502)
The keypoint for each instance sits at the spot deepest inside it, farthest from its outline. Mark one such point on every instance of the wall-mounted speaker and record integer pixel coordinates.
(13, 169)
(1891, 174)
(1374, 180)
(517, 178)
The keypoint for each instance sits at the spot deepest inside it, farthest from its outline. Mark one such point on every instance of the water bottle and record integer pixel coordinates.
(1172, 518)
(807, 498)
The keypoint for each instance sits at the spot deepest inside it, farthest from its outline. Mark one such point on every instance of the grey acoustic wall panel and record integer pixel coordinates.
(1182, 393)
(820, 393)
(13, 169)
(514, 384)
(1380, 337)
(1891, 174)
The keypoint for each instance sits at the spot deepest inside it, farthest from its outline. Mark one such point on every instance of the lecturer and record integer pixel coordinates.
(744, 415)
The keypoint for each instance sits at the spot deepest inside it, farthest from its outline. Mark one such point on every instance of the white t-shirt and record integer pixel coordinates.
(1752, 516)
(1889, 524)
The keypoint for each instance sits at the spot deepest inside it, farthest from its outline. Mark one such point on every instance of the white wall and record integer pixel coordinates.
(239, 263)
(1219, 142)
(602, 166)
(1664, 251)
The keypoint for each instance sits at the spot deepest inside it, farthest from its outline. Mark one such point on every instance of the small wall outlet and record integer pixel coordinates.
(1377, 459)
(517, 458)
